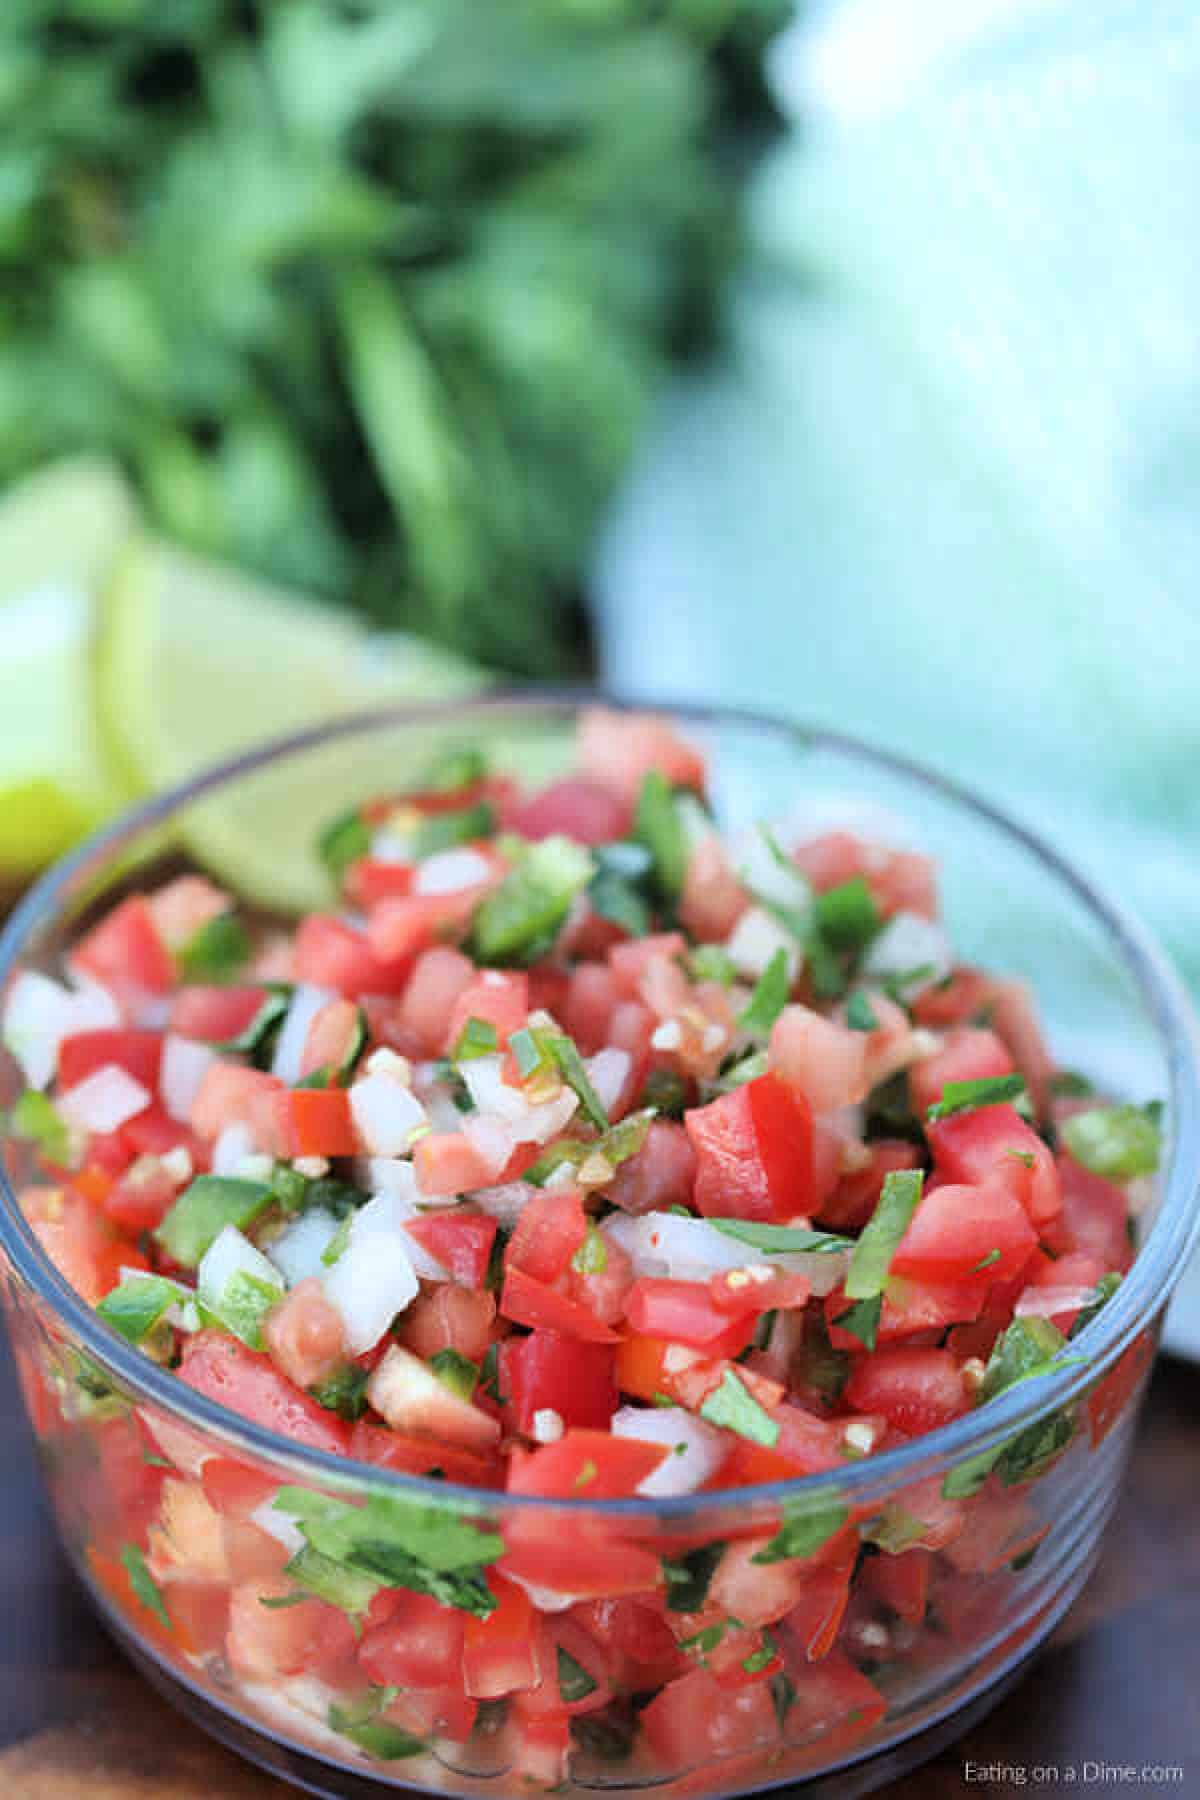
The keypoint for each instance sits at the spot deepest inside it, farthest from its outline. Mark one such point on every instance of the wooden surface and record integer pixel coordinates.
(1116, 1686)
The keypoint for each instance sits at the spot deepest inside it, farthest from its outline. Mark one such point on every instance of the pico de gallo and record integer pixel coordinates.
(578, 1150)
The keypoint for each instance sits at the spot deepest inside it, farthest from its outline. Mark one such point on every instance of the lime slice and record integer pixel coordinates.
(60, 533)
(199, 662)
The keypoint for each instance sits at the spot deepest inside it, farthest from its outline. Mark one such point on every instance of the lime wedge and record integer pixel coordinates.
(60, 533)
(199, 662)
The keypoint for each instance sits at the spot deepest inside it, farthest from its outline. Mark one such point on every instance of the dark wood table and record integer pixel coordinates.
(1116, 1686)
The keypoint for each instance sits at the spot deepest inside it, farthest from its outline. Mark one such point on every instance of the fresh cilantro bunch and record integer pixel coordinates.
(371, 297)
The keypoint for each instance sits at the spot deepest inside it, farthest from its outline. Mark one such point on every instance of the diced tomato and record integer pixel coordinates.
(399, 929)
(184, 906)
(1109, 1401)
(659, 1175)
(911, 1307)
(438, 977)
(304, 1335)
(958, 1231)
(616, 750)
(914, 1390)
(585, 1465)
(591, 997)
(584, 810)
(126, 953)
(820, 1059)
(154, 1132)
(139, 1198)
(630, 962)
(266, 1642)
(449, 1318)
(368, 880)
(223, 1369)
(139, 1053)
(899, 880)
(447, 1162)
(234, 1489)
(834, 1704)
(530, 1302)
(79, 1241)
(753, 1152)
(638, 1645)
(591, 1561)
(1014, 1016)
(230, 1095)
(551, 1228)
(760, 1593)
(1094, 1217)
(996, 1141)
(573, 1379)
(320, 1123)
(548, 989)
(329, 953)
(332, 1036)
(434, 1712)
(962, 997)
(854, 1198)
(693, 1721)
(814, 1621)
(501, 1654)
(389, 1449)
(498, 997)
(968, 1054)
(603, 1290)
(685, 1312)
(806, 1445)
(713, 899)
(901, 1582)
(460, 1241)
(420, 1645)
(758, 1290)
(215, 1014)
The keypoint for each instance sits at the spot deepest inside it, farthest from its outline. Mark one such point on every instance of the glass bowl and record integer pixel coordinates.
(923, 1581)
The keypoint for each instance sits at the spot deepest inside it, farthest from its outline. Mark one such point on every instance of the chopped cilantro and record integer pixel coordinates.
(778, 1240)
(769, 998)
(217, 952)
(860, 1014)
(519, 920)
(447, 830)
(688, 1577)
(144, 1584)
(344, 1392)
(847, 916)
(574, 1682)
(455, 1371)
(477, 1038)
(802, 1532)
(965, 1096)
(1117, 1142)
(882, 1233)
(734, 1406)
(343, 841)
(657, 824)
(861, 1320)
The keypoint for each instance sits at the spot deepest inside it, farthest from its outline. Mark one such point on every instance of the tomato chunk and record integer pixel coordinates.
(573, 1379)
(754, 1152)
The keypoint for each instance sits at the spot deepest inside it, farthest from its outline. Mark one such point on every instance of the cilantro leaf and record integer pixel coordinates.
(802, 1532)
(965, 1096)
(778, 1240)
(657, 825)
(144, 1584)
(1116, 1142)
(861, 1320)
(733, 1406)
(882, 1233)
(769, 998)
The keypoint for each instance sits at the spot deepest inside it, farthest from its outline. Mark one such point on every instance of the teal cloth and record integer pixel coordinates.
(944, 487)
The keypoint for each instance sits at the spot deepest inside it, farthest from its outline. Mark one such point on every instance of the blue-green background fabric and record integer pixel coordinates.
(944, 487)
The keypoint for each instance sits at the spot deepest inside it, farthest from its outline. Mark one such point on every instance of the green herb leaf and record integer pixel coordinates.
(591, 1258)
(36, 1119)
(202, 1212)
(377, 1737)
(759, 1659)
(518, 921)
(1117, 1142)
(711, 962)
(986, 1262)
(882, 1233)
(144, 1584)
(256, 1038)
(458, 767)
(688, 1577)
(894, 1530)
(217, 952)
(783, 1694)
(860, 1014)
(613, 897)
(769, 998)
(447, 830)
(664, 1092)
(777, 1240)
(965, 1096)
(477, 1038)
(136, 1307)
(847, 916)
(802, 1532)
(1101, 1294)
(242, 1305)
(424, 1548)
(342, 842)
(861, 1320)
(734, 1406)
(658, 826)
(334, 1582)
(574, 1682)
(344, 1392)
(747, 1068)
(455, 1371)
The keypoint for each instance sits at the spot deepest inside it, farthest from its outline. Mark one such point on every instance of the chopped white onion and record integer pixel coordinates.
(279, 1526)
(695, 1449)
(104, 1100)
(547, 1600)
(298, 1249)
(233, 1145)
(387, 1215)
(371, 1281)
(907, 943)
(607, 1072)
(303, 1008)
(449, 871)
(484, 1078)
(760, 870)
(388, 1175)
(1048, 1302)
(40, 1012)
(505, 1203)
(231, 1253)
(491, 1138)
(755, 939)
(386, 1114)
(185, 1062)
(662, 1243)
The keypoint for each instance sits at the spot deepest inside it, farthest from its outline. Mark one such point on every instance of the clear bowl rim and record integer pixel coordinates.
(1143, 1292)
